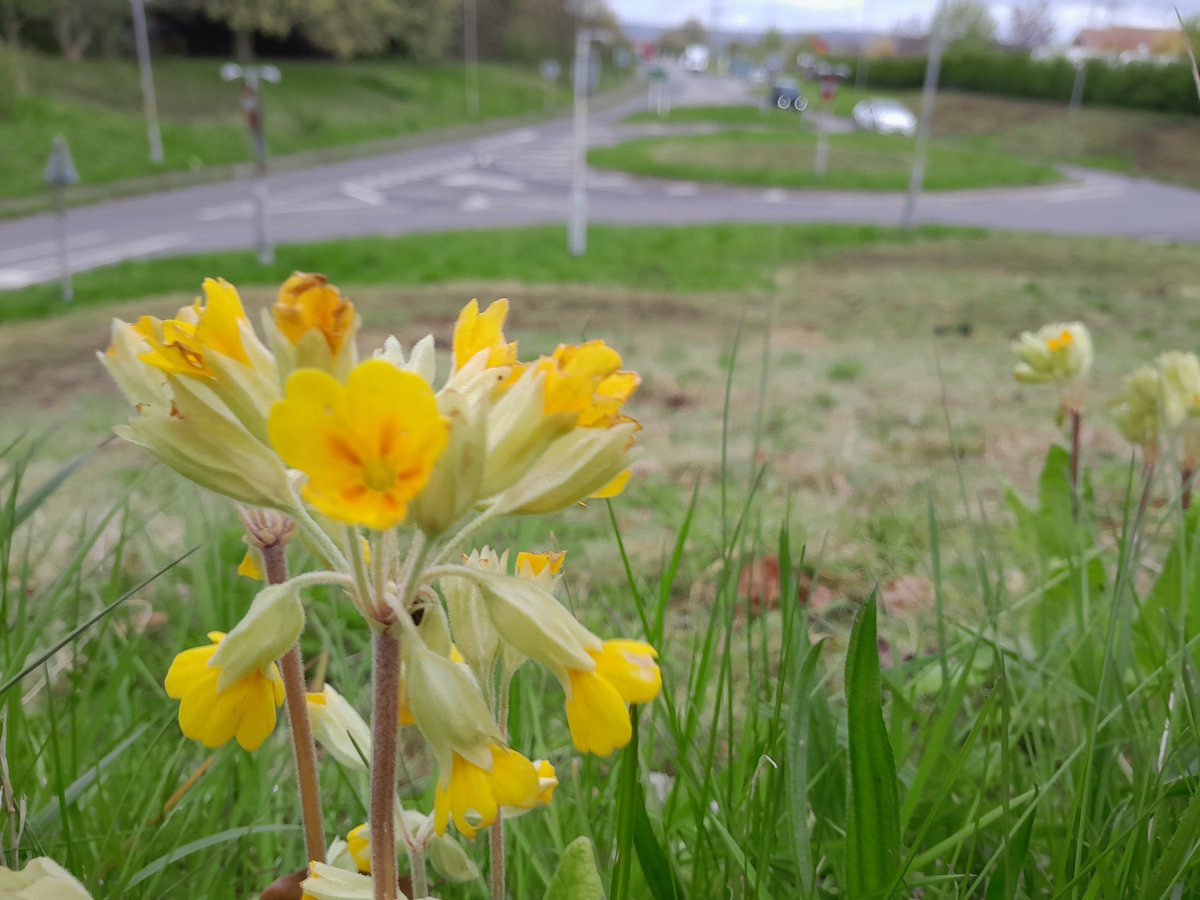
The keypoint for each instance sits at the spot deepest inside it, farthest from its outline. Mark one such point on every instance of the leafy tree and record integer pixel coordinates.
(964, 24)
(772, 41)
(345, 29)
(693, 32)
(1031, 25)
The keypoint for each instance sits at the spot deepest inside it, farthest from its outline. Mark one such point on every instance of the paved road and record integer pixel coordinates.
(522, 177)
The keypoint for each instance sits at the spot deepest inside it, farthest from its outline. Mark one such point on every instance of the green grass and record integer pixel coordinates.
(1028, 649)
(785, 159)
(96, 105)
(1136, 142)
(710, 257)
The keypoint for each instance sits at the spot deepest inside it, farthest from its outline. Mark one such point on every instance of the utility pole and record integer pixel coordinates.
(149, 106)
(577, 231)
(252, 108)
(471, 56)
(928, 95)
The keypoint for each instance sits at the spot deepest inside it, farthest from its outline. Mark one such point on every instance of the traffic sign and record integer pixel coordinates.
(60, 168)
(658, 73)
(551, 69)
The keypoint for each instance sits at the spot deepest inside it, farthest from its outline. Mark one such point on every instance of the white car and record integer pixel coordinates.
(884, 117)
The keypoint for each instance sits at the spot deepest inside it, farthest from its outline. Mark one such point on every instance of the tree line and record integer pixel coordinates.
(422, 30)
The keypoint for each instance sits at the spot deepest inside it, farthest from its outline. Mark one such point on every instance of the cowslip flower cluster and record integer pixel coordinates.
(1159, 410)
(384, 471)
(1059, 354)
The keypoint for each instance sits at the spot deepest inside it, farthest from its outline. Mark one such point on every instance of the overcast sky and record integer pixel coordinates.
(800, 15)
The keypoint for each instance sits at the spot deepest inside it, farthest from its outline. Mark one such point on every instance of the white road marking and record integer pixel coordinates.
(482, 180)
(524, 136)
(84, 239)
(46, 268)
(774, 195)
(682, 189)
(363, 193)
(239, 209)
(475, 203)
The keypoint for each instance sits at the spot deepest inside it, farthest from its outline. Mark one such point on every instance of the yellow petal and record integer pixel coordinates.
(596, 714)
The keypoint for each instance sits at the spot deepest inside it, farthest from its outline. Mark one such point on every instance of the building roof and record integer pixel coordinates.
(1120, 39)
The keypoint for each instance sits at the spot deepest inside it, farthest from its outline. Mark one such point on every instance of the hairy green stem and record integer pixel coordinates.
(497, 830)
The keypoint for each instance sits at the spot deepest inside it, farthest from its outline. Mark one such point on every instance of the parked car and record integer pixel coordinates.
(884, 117)
(785, 93)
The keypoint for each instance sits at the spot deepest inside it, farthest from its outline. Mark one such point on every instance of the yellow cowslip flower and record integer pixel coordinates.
(597, 700)
(358, 842)
(587, 379)
(179, 346)
(244, 709)
(41, 878)
(535, 565)
(367, 446)
(472, 796)
(1179, 374)
(547, 780)
(476, 331)
(307, 303)
(1060, 352)
(1138, 413)
(251, 564)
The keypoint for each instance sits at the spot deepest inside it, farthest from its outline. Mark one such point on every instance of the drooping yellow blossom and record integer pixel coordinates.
(251, 565)
(180, 346)
(597, 701)
(547, 780)
(245, 709)
(308, 302)
(41, 879)
(533, 565)
(367, 446)
(477, 331)
(358, 841)
(587, 379)
(472, 796)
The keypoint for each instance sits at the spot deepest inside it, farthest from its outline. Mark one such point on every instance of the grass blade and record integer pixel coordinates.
(204, 843)
(8, 685)
(873, 813)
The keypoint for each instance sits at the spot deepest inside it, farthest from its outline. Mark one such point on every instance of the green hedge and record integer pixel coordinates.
(1144, 85)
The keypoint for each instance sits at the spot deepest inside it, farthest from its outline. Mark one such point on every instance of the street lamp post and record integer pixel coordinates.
(471, 56)
(252, 108)
(577, 231)
(928, 94)
(149, 106)
(583, 10)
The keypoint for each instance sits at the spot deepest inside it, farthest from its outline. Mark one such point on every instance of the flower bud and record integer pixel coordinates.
(448, 708)
(576, 466)
(1137, 414)
(519, 431)
(528, 617)
(269, 629)
(474, 634)
(339, 728)
(422, 361)
(330, 883)
(41, 877)
(453, 486)
(1180, 381)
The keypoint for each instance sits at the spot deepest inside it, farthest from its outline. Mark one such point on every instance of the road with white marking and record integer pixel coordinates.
(522, 177)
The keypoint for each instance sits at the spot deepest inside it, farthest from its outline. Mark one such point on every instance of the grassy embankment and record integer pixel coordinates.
(97, 106)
